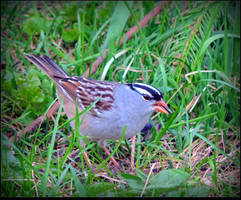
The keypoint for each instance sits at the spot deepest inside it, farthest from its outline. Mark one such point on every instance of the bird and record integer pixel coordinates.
(120, 105)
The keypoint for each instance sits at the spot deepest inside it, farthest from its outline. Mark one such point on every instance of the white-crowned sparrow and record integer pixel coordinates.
(120, 105)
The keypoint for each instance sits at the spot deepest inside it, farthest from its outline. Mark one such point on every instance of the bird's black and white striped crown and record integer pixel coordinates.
(147, 91)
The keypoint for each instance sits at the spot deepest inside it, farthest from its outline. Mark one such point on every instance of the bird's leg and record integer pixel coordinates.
(108, 153)
(87, 158)
(112, 159)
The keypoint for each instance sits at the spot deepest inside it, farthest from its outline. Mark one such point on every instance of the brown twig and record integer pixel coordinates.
(36, 122)
(127, 36)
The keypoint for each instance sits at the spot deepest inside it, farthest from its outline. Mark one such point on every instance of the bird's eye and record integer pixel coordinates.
(147, 98)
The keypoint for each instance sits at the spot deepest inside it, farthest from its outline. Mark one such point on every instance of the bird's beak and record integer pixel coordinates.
(161, 106)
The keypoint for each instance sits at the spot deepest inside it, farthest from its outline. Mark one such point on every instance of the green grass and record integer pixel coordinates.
(190, 51)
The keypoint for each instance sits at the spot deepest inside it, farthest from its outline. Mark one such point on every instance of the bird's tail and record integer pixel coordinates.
(47, 65)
